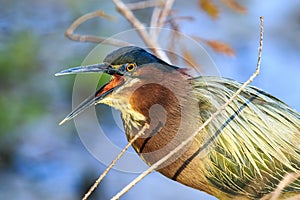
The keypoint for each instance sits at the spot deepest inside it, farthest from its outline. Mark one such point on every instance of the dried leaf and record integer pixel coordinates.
(235, 6)
(220, 47)
(190, 60)
(210, 8)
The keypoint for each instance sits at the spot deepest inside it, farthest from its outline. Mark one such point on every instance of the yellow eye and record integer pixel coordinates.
(130, 67)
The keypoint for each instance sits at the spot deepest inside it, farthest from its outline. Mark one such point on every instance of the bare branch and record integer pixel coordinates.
(153, 23)
(177, 18)
(141, 29)
(160, 22)
(190, 139)
(165, 13)
(90, 38)
(144, 4)
(126, 12)
(98, 181)
(288, 179)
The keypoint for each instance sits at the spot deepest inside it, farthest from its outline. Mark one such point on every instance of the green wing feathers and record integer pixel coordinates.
(256, 139)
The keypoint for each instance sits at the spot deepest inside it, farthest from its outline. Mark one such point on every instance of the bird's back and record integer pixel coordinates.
(253, 144)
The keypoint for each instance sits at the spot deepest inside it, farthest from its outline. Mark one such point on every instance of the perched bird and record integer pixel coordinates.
(243, 153)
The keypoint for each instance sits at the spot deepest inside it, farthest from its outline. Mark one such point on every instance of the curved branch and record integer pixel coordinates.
(90, 38)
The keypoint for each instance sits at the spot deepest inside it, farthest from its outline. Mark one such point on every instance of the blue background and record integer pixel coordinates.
(41, 160)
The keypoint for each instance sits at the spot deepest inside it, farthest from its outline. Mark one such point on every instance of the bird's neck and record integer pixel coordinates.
(170, 109)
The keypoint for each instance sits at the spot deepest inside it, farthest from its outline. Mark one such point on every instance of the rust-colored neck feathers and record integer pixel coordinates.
(165, 98)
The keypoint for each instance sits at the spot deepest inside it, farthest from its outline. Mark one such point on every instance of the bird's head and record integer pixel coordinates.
(129, 67)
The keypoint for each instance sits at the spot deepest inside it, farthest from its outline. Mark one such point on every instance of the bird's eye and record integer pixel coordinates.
(130, 67)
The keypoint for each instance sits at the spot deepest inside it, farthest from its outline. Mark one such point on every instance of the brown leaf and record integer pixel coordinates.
(235, 6)
(190, 60)
(210, 8)
(220, 47)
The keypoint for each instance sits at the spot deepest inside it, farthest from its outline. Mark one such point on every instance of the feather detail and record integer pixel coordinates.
(258, 138)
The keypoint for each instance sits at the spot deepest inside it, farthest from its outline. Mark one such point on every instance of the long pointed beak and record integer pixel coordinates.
(91, 100)
(84, 69)
(116, 80)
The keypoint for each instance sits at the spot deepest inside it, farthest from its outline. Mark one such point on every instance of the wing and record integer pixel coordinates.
(254, 143)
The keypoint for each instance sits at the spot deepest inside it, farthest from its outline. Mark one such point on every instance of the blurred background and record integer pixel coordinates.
(41, 160)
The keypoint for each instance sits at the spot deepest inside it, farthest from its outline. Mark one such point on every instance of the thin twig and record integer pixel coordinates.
(190, 139)
(98, 181)
(144, 4)
(90, 38)
(165, 13)
(154, 21)
(288, 179)
(163, 16)
(141, 29)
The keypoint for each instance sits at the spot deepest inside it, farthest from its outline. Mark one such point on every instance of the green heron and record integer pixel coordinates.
(249, 147)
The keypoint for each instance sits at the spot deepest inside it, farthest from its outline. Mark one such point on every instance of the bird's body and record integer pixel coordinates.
(254, 143)
(242, 154)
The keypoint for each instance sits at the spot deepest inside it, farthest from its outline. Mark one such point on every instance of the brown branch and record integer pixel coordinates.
(177, 18)
(90, 38)
(144, 4)
(165, 13)
(288, 179)
(141, 29)
(98, 181)
(127, 13)
(190, 139)
(153, 23)
(160, 22)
